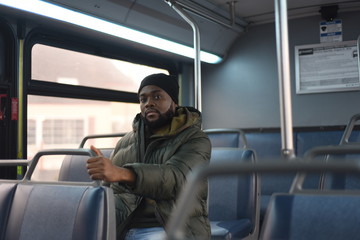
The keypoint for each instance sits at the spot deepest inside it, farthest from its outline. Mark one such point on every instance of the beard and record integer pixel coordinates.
(163, 119)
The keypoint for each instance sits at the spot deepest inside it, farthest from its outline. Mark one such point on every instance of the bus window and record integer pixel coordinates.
(48, 168)
(75, 68)
(61, 123)
(55, 122)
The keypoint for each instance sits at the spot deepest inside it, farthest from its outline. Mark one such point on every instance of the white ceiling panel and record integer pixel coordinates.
(158, 18)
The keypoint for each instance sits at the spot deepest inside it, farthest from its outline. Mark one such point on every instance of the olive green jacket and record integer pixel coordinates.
(162, 168)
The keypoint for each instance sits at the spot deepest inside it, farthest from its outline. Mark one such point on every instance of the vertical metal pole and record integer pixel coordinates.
(232, 11)
(358, 53)
(197, 60)
(282, 44)
(20, 153)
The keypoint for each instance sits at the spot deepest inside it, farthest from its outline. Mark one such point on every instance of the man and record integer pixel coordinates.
(149, 166)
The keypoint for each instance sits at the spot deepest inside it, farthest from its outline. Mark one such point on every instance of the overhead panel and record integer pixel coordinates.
(157, 18)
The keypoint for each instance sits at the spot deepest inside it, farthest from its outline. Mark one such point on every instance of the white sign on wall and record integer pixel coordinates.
(327, 67)
(331, 31)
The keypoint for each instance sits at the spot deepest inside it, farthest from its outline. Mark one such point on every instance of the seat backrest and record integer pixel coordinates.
(7, 191)
(41, 211)
(233, 197)
(268, 148)
(73, 167)
(350, 137)
(336, 153)
(341, 180)
(312, 216)
(308, 140)
(107, 152)
(227, 137)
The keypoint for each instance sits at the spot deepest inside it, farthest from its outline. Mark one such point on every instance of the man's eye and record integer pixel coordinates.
(157, 97)
(142, 100)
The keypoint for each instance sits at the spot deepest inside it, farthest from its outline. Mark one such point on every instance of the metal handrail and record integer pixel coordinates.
(349, 128)
(197, 60)
(31, 165)
(38, 155)
(190, 6)
(319, 151)
(358, 52)
(100, 136)
(14, 162)
(335, 149)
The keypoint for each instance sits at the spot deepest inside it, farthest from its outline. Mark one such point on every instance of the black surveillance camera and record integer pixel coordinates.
(329, 13)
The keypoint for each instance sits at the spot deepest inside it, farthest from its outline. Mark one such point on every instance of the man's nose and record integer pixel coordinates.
(149, 102)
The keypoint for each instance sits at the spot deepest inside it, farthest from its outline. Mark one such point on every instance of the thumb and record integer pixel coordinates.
(97, 151)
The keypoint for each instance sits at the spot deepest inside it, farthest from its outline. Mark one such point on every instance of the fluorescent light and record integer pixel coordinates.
(87, 21)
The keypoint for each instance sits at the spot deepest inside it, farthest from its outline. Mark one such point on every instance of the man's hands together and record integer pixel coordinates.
(101, 168)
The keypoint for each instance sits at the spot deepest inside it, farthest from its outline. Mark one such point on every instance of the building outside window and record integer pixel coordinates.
(55, 122)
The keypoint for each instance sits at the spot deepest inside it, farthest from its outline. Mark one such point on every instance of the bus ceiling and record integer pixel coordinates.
(220, 22)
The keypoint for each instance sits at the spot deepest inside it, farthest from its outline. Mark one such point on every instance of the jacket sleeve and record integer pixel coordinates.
(165, 181)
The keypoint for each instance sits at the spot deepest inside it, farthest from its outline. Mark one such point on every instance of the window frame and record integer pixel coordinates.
(81, 44)
(99, 46)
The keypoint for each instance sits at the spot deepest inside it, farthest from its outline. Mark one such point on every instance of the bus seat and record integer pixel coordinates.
(340, 181)
(312, 216)
(73, 167)
(7, 191)
(227, 137)
(267, 146)
(233, 200)
(308, 140)
(64, 212)
(107, 152)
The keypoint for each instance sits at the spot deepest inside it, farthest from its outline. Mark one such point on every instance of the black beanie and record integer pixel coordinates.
(167, 83)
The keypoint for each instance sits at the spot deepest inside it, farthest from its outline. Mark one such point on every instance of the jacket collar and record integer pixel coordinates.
(185, 117)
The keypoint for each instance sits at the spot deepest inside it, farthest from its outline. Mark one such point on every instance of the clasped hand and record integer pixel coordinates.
(101, 168)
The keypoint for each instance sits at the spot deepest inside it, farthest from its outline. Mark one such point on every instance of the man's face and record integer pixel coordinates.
(156, 106)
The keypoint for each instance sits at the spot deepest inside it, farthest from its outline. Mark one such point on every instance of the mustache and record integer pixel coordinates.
(152, 110)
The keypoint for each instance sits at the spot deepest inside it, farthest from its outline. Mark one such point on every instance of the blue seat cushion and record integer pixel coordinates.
(60, 212)
(305, 216)
(230, 229)
(7, 191)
